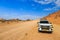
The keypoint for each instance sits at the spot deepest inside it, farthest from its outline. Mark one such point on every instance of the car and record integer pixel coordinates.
(45, 26)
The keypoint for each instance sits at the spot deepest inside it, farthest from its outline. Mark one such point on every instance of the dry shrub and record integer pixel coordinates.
(28, 20)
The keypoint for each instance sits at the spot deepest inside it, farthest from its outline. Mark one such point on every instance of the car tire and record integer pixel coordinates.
(39, 30)
(50, 32)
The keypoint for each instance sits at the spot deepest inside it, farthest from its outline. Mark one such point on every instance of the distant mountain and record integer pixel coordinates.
(10, 20)
(54, 17)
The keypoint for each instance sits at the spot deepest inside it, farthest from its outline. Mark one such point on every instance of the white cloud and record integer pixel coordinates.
(57, 2)
(28, 17)
(23, 17)
(44, 1)
(49, 9)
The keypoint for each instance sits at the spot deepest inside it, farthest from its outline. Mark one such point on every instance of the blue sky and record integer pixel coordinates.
(24, 9)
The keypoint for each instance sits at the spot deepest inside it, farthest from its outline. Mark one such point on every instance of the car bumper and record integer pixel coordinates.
(44, 30)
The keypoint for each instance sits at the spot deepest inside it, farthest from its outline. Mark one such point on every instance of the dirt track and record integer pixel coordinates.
(28, 31)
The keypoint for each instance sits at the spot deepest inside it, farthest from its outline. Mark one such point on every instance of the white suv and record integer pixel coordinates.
(45, 26)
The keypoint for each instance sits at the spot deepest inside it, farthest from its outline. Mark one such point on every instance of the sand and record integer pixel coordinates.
(27, 31)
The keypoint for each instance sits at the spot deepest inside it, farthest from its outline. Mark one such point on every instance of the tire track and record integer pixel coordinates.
(17, 32)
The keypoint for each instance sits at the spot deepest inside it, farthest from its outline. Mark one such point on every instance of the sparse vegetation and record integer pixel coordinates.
(28, 20)
(9, 21)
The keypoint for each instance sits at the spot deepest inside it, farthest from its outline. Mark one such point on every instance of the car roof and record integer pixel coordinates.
(43, 20)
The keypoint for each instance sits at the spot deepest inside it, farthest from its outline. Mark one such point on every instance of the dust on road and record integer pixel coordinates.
(29, 31)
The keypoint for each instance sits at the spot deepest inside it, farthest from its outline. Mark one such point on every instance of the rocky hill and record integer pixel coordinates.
(54, 17)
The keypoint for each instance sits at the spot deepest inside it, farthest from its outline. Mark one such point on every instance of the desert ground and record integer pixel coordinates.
(27, 30)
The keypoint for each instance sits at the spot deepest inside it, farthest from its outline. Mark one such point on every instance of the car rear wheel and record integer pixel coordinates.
(50, 32)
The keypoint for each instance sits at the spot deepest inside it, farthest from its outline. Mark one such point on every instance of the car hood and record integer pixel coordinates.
(46, 24)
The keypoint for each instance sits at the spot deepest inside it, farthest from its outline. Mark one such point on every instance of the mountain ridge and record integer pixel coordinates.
(54, 17)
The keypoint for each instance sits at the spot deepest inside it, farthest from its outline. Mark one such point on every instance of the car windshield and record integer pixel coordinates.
(44, 22)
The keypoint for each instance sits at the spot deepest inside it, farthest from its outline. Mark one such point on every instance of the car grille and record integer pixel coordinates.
(45, 27)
